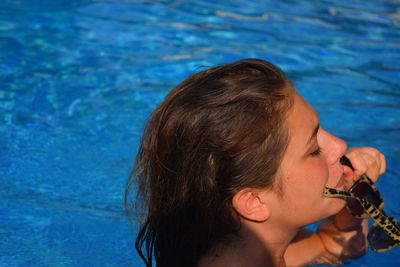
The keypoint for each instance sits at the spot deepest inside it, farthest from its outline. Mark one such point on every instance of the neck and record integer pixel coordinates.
(259, 245)
(269, 238)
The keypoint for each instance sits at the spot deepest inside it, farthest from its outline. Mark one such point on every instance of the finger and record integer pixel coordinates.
(383, 164)
(348, 172)
(358, 164)
(367, 160)
(372, 165)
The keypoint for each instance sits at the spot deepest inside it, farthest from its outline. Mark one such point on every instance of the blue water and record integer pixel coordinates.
(78, 79)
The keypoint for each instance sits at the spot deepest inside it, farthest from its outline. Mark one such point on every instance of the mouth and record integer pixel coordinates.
(341, 182)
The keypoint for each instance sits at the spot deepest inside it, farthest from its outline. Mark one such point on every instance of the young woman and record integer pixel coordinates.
(232, 166)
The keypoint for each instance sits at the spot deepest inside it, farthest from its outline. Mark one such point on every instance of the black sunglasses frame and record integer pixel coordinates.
(385, 228)
(388, 224)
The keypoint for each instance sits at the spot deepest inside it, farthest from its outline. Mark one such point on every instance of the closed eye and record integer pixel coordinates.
(316, 153)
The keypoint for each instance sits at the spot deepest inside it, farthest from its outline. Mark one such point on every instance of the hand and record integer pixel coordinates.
(365, 160)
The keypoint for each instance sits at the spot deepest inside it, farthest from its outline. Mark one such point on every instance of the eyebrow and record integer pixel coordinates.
(314, 134)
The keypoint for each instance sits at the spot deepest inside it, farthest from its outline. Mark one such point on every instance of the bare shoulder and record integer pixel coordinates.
(307, 249)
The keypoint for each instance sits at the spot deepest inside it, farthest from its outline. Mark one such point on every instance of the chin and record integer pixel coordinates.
(336, 206)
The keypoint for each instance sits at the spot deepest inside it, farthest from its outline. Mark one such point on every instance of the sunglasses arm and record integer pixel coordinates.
(330, 192)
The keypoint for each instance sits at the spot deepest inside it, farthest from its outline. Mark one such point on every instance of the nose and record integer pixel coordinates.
(336, 148)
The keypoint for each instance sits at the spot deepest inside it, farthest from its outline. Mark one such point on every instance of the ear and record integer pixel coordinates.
(250, 204)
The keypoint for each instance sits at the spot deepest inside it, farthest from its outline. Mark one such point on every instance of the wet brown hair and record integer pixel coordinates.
(219, 131)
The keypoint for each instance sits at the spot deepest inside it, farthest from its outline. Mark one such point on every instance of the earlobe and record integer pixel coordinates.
(249, 203)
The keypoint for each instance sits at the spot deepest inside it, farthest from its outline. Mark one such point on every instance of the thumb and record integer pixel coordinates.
(348, 172)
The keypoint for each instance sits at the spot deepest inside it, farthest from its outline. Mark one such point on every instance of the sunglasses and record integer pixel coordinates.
(364, 201)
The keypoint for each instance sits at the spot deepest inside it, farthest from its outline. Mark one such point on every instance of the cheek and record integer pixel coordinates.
(310, 180)
(320, 170)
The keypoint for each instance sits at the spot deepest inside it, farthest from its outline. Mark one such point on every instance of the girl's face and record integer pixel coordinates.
(310, 163)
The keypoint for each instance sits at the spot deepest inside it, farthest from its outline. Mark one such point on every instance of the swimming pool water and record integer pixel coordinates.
(78, 79)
